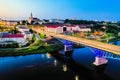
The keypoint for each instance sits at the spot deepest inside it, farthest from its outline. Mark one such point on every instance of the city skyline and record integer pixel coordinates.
(64, 9)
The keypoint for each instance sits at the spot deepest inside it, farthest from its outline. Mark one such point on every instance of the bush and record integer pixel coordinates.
(15, 45)
(33, 38)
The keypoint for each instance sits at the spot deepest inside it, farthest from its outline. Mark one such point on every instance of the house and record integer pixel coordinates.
(19, 38)
(56, 21)
(54, 28)
(22, 28)
(11, 23)
(28, 35)
(8, 23)
(84, 28)
(77, 28)
(66, 28)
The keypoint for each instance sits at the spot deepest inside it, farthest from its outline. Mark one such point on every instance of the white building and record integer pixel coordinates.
(22, 28)
(28, 35)
(77, 28)
(55, 29)
(11, 23)
(56, 21)
(53, 20)
(61, 29)
(19, 38)
(83, 28)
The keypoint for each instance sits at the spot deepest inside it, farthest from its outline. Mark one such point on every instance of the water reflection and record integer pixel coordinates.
(64, 67)
(55, 63)
(48, 55)
(81, 70)
(76, 77)
(58, 65)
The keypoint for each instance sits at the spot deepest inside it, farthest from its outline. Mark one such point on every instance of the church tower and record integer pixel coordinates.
(30, 18)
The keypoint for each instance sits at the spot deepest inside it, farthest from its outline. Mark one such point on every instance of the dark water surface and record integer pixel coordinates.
(58, 66)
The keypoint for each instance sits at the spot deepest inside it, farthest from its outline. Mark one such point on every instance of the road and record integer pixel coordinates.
(100, 45)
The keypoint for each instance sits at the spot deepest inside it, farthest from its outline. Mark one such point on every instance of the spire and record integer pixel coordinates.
(31, 16)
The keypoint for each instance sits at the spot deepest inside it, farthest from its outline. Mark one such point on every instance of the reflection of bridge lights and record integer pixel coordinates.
(59, 52)
(48, 55)
(55, 62)
(42, 55)
(76, 77)
(64, 68)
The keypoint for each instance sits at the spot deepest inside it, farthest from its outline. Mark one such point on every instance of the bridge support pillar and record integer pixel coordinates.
(100, 61)
(68, 46)
(100, 58)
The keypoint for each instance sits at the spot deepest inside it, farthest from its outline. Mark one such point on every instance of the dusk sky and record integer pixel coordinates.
(47, 9)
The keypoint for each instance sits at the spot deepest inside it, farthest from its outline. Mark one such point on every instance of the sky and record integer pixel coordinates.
(107, 10)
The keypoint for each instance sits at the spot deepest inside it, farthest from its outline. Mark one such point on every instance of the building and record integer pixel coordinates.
(84, 28)
(54, 28)
(19, 38)
(33, 20)
(8, 23)
(56, 21)
(28, 35)
(66, 28)
(22, 28)
(77, 28)
(11, 23)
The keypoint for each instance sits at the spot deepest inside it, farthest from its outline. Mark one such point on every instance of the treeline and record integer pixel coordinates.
(80, 21)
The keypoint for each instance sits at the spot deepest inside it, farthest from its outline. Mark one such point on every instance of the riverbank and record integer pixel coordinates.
(36, 48)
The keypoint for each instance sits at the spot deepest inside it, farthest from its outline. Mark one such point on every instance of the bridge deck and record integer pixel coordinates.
(100, 45)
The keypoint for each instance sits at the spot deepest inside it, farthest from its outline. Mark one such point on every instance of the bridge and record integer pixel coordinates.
(100, 59)
(92, 43)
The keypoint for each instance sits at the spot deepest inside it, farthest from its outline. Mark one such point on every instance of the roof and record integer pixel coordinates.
(13, 36)
(53, 26)
(27, 32)
(22, 27)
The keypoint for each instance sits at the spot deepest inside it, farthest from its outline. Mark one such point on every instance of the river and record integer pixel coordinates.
(58, 66)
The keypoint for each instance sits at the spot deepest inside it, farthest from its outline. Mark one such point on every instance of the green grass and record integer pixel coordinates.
(35, 48)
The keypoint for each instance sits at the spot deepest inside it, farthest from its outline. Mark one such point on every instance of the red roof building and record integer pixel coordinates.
(13, 36)
(54, 28)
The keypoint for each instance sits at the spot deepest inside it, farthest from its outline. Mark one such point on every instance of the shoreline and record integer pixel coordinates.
(50, 47)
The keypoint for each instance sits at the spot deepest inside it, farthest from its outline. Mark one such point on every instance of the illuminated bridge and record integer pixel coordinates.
(94, 44)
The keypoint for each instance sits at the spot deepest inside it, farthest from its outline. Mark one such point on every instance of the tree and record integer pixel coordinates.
(67, 21)
(31, 30)
(15, 45)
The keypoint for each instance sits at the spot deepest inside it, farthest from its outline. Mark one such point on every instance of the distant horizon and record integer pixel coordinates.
(100, 10)
(60, 18)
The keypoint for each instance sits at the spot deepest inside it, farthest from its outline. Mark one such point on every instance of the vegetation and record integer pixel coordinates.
(33, 39)
(43, 36)
(36, 47)
(3, 28)
(80, 21)
(10, 45)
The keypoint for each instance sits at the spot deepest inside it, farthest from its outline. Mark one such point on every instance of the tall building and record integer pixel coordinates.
(30, 18)
(33, 20)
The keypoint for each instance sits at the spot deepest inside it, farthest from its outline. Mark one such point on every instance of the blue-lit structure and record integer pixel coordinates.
(98, 52)
(68, 45)
(100, 57)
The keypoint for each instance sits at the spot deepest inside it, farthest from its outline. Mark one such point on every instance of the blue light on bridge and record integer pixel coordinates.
(68, 45)
(98, 52)
(66, 42)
